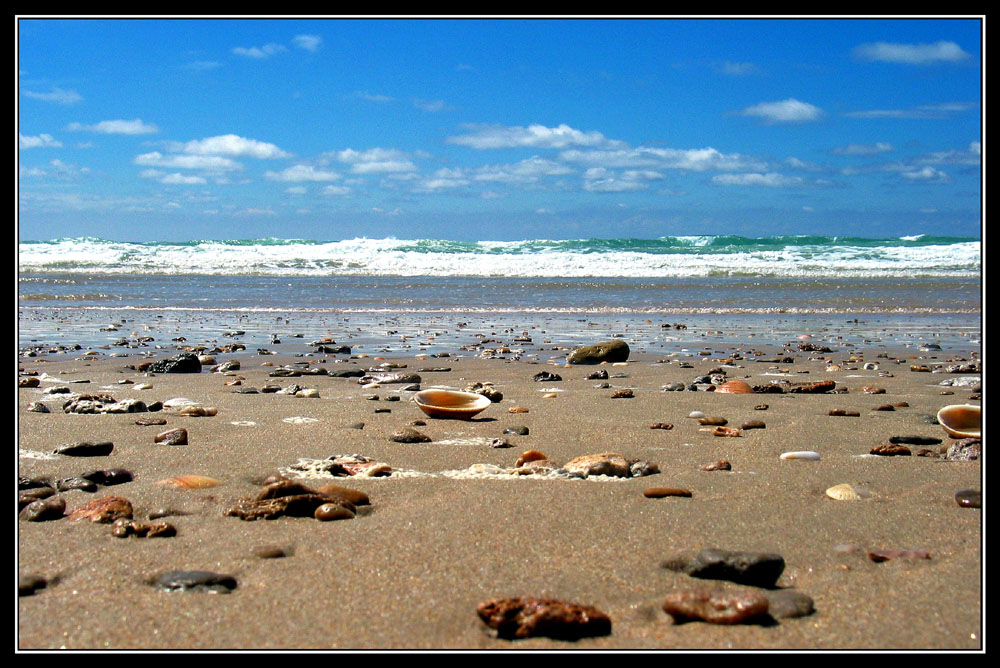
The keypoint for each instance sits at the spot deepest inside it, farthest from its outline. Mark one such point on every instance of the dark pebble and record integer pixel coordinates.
(915, 440)
(76, 482)
(28, 585)
(661, 492)
(409, 435)
(890, 450)
(519, 431)
(85, 449)
(52, 508)
(109, 476)
(969, 498)
(749, 568)
(788, 603)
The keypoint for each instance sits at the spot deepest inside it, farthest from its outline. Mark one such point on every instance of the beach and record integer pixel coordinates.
(455, 524)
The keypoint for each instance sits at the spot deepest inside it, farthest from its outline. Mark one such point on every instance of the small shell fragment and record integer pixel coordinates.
(810, 455)
(846, 492)
(190, 482)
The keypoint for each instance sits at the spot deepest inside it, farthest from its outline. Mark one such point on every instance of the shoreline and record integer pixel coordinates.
(409, 570)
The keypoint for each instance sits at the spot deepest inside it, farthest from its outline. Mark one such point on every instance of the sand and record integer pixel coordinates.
(408, 572)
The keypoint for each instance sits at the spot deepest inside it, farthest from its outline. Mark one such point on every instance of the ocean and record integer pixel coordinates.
(397, 295)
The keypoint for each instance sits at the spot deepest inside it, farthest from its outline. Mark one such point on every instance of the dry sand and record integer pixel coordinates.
(409, 571)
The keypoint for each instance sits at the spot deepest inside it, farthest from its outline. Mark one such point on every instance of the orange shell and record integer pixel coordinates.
(735, 387)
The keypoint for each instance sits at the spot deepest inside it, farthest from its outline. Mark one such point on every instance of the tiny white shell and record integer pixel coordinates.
(810, 455)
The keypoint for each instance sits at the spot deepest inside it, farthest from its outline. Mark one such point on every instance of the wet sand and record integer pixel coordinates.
(408, 572)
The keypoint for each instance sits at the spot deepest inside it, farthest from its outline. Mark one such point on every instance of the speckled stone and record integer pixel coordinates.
(717, 606)
(529, 617)
(409, 435)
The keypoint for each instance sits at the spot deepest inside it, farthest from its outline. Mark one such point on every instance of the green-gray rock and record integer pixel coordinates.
(608, 351)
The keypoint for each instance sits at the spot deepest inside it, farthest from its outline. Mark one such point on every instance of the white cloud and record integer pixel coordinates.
(375, 160)
(533, 136)
(259, 53)
(117, 127)
(911, 54)
(302, 173)
(57, 96)
(598, 179)
(374, 97)
(863, 149)
(525, 171)
(738, 69)
(209, 162)
(336, 190)
(699, 159)
(308, 42)
(771, 180)
(430, 105)
(443, 179)
(231, 145)
(927, 174)
(41, 141)
(180, 179)
(296, 190)
(925, 111)
(785, 111)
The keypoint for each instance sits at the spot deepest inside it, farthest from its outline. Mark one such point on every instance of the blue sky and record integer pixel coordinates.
(173, 129)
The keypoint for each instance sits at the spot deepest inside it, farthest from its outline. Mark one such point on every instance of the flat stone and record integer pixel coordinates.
(43, 510)
(789, 604)
(104, 510)
(717, 606)
(890, 450)
(409, 435)
(178, 436)
(196, 581)
(969, 498)
(85, 449)
(607, 463)
(661, 492)
(750, 568)
(529, 617)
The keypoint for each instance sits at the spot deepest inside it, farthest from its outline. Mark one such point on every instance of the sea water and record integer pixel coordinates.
(664, 294)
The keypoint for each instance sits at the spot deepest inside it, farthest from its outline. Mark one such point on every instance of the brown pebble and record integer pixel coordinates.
(716, 606)
(720, 421)
(529, 456)
(147, 421)
(527, 617)
(661, 492)
(661, 425)
(884, 407)
(408, 435)
(272, 552)
(328, 512)
(890, 450)
(354, 496)
(105, 510)
(622, 394)
(177, 436)
(721, 465)
(844, 412)
(760, 407)
(870, 389)
(725, 431)
(123, 528)
(753, 424)
(879, 556)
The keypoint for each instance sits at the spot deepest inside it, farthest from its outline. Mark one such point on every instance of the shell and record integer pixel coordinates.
(450, 404)
(845, 492)
(190, 482)
(735, 387)
(961, 420)
(811, 455)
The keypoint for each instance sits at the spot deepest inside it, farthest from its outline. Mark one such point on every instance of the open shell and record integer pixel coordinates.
(734, 387)
(961, 420)
(451, 404)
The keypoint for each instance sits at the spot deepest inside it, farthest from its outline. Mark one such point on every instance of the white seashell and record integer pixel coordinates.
(810, 455)
(961, 420)
(696, 414)
(846, 492)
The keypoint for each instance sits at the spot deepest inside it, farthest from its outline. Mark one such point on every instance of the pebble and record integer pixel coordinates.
(85, 449)
(529, 617)
(517, 431)
(721, 465)
(623, 394)
(354, 496)
(189, 482)
(758, 569)
(717, 606)
(844, 412)
(789, 604)
(969, 498)
(104, 510)
(890, 450)
(661, 425)
(178, 436)
(409, 435)
(109, 476)
(29, 584)
(915, 440)
(753, 424)
(332, 511)
(662, 492)
(809, 455)
(146, 421)
(123, 528)
(726, 431)
(76, 482)
(196, 581)
(965, 450)
(51, 508)
(720, 421)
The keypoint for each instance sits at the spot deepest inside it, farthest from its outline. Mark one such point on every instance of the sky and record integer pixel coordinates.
(172, 129)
